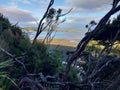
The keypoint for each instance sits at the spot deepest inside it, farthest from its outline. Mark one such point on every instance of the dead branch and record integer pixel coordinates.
(82, 44)
(106, 70)
(114, 85)
(113, 41)
(96, 82)
(32, 84)
(52, 25)
(14, 58)
(40, 26)
(66, 13)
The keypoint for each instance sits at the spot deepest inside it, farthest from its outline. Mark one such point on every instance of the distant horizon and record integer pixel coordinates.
(57, 27)
(58, 35)
(60, 29)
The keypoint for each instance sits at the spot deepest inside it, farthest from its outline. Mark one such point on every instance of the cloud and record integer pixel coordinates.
(76, 21)
(31, 3)
(16, 15)
(15, 2)
(41, 1)
(26, 1)
(84, 11)
(24, 17)
(29, 24)
(90, 5)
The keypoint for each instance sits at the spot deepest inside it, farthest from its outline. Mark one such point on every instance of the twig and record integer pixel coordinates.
(66, 13)
(14, 58)
(40, 26)
(33, 84)
(82, 44)
(113, 41)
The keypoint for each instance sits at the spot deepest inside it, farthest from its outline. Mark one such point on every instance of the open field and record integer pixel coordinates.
(63, 42)
(64, 45)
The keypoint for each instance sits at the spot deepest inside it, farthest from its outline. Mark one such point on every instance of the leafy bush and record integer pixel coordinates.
(37, 59)
(109, 31)
(5, 81)
(73, 74)
(40, 60)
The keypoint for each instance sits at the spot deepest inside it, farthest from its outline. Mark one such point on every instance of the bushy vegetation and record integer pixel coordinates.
(93, 65)
(38, 58)
(109, 31)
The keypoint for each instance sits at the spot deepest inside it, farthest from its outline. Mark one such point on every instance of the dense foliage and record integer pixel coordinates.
(109, 31)
(38, 58)
(33, 67)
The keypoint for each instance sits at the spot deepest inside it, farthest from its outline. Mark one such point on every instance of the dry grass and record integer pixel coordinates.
(63, 45)
(62, 42)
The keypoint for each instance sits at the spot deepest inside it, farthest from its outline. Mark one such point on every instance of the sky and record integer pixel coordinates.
(28, 12)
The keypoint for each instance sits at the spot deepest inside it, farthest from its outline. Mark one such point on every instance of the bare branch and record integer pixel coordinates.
(66, 13)
(113, 41)
(82, 44)
(14, 58)
(33, 84)
(40, 26)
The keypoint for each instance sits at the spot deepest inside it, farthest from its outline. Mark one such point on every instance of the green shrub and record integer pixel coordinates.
(37, 59)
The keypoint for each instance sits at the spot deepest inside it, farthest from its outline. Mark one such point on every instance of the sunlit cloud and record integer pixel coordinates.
(90, 4)
(27, 12)
(16, 15)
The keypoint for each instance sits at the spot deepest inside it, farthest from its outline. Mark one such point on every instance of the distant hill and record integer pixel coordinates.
(29, 29)
(68, 30)
(58, 29)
